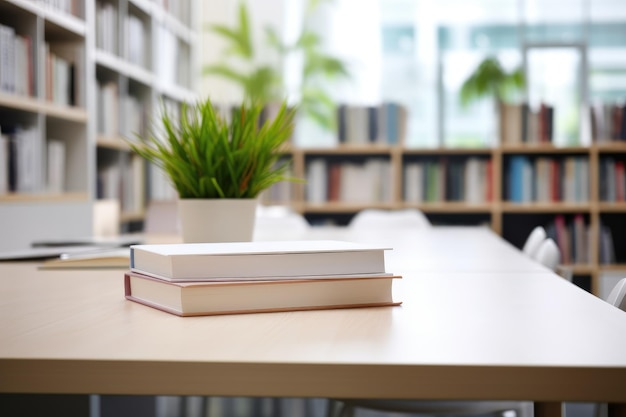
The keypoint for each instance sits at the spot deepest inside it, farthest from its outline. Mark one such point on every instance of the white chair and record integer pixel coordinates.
(617, 297)
(377, 218)
(277, 220)
(348, 408)
(548, 254)
(534, 240)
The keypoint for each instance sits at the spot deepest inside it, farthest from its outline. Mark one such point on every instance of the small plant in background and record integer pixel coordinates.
(490, 79)
(264, 82)
(259, 83)
(207, 156)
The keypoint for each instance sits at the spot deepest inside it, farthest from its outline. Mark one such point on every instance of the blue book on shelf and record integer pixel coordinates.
(391, 110)
(516, 178)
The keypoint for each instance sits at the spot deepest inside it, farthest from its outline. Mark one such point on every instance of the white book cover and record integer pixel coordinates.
(261, 259)
(56, 166)
(317, 181)
(413, 179)
(472, 180)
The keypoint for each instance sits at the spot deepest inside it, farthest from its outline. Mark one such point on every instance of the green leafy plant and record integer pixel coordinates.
(490, 79)
(318, 67)
(264, 82)
(260, 83)
(207, 156)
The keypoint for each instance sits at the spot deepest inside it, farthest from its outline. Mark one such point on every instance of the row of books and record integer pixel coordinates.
(134, 112)
(606, 246)
(122, 179)
(135, 49)
(547, 179)
(180, 9)
(107, 32)
(27, 168)
(61, 78)
(72, 7)
(16, 62)
(173, 66)
(383, 124)
(572, 236)
(246, 277)
(612, 179)
(443, 179)
(523, 123)
(608, 121)
(107, 99)
(368, 181)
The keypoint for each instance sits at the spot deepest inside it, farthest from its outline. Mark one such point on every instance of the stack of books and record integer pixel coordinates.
(198, 279)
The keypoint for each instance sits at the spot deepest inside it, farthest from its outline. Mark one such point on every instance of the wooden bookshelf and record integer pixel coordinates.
(512, 220)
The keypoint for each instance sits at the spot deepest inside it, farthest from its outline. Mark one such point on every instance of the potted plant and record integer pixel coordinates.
(490, 79)
(219, 165)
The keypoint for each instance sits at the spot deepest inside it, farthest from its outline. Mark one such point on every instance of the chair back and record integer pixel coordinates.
(378, 219)
(278, 219)
(534, 240)
(548, 254)
(617, 297)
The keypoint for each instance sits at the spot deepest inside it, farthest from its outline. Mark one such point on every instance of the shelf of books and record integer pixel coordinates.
(44, 123)
(577, 192)
(76, 78)
(144, 62)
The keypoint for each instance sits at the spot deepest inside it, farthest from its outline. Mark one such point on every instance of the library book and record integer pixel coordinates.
(259, 260)
(205, 298)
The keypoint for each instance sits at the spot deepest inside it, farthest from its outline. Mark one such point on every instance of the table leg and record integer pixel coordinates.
(549, 409)
(616, 410)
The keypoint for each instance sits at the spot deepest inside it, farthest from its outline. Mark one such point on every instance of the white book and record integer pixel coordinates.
(473, 181)
(56, 166)
(413, 179)
(208, 298)
(29, 161)
(7, 58)
(258, 260)
(317, 181)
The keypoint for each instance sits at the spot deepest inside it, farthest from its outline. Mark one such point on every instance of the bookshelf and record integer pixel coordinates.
(578, 201)
(144, 60)
(77, 77)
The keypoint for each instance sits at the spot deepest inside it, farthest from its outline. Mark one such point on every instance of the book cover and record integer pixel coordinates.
(254, 260)
(236, 297)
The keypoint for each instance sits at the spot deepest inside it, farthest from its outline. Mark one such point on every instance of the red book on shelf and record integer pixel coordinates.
(489, 188)
(334, 181)
(555, 180)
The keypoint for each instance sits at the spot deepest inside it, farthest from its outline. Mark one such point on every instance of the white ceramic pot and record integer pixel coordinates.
(217, 220)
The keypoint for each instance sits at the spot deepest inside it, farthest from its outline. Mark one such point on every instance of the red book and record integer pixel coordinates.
(555, 180)
(489, 188)
(334, 181)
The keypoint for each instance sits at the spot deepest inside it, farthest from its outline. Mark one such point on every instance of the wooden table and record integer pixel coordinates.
(479, 321)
